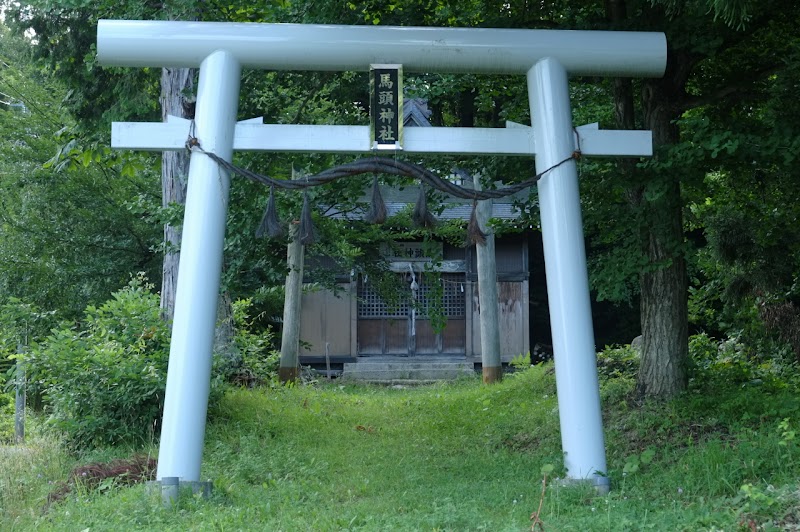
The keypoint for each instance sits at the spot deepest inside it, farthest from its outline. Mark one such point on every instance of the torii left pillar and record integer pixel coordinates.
(189, 374)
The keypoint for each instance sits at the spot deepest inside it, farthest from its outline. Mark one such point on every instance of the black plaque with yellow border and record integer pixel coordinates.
(386, 107)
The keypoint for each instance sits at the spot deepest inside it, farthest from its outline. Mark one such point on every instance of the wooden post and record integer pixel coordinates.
(328, 360)
(487, 295)
(353, 293)
(290, 341)
(19, 402)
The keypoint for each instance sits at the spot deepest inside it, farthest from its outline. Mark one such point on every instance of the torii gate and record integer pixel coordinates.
(546, 57)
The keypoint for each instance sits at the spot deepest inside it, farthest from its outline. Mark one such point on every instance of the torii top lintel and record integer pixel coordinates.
(419, 49)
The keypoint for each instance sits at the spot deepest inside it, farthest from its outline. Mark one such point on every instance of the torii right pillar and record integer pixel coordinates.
(582, 438)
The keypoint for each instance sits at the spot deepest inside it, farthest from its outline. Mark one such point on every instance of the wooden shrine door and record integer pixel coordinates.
(403, 328)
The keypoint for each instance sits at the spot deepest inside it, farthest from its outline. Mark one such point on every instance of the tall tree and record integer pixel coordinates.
(705, 41)
(177, 95)
(75, 222)
(663, 285)
(65, 34)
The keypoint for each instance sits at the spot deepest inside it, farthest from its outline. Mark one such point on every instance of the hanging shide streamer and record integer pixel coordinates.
(377, 212)
(421, 216)
(306, 232)
(270, 224)
(474, 233)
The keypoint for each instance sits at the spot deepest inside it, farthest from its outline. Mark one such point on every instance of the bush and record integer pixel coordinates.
(104, 378)
(730, 361)
(620, 361)
(7, 408)
(258, 362)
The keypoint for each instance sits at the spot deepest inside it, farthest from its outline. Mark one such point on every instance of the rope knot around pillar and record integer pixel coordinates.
(192, 142)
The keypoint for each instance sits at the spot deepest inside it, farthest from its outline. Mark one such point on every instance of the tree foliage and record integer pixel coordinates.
(76, 219)
(711, 214)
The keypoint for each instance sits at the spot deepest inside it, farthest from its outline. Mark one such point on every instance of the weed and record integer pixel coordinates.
(765, 507)
(28, 472)
(521, 361)
(536, 516)
(636, 461)
(787, 434)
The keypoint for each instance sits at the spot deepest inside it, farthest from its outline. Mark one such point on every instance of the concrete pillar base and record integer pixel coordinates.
(171, 489)
(602, 485)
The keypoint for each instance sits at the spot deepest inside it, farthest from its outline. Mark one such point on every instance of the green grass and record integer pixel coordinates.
(458, 456)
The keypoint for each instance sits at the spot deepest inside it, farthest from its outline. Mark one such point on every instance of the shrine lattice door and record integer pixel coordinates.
(403, 328)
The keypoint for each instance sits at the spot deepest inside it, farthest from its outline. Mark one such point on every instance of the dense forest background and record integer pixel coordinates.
(701, 238)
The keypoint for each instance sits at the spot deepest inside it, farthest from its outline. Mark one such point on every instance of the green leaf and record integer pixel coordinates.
(128, 170)
(647, 456)
(630, 468)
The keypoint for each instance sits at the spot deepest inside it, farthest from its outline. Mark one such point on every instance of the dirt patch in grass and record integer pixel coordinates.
(125, 472)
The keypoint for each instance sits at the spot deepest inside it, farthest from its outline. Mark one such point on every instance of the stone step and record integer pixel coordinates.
(406, 370)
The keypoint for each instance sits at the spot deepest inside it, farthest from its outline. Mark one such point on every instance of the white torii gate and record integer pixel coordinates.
(546, 57)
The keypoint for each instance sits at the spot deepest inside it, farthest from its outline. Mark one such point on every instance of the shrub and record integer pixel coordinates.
(7, 408)
(620, 361)
(104, 378)
(730, 361)
(259, 361)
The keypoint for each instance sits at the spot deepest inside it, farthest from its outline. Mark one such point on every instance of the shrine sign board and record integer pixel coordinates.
(386, 106)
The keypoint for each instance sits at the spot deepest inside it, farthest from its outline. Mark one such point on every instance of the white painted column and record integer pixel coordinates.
(189, 375)
(567, 279)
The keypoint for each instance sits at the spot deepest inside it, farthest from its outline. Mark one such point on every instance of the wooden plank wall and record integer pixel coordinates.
(512, 306)
(327, 318)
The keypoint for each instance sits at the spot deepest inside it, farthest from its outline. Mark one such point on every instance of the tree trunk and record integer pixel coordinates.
(177, 99)
(176, 85)
(664, 285)
(665, 351)
(225, 330)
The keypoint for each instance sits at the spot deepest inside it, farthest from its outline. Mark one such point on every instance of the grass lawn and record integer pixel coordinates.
(456, 456)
